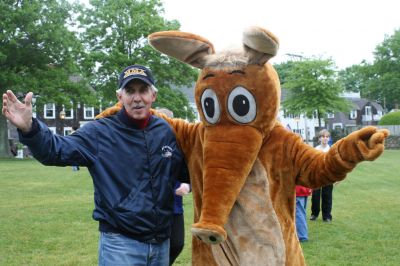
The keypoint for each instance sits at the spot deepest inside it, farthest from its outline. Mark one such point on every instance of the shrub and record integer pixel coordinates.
(392, 118)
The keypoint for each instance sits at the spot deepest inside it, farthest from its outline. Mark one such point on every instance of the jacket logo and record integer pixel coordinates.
(166, 151)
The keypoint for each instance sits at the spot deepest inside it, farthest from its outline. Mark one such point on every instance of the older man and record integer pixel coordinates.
(133, 159)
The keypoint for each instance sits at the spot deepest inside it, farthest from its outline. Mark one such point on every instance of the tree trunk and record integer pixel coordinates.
(4, 144)
(319, 120)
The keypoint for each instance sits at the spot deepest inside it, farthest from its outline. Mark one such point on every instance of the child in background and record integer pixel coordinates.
(302, 194)
(322, 196)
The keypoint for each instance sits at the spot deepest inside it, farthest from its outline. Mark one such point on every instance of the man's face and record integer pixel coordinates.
(137, 98)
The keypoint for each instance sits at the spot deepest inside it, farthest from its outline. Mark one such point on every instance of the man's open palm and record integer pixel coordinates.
(18, 113)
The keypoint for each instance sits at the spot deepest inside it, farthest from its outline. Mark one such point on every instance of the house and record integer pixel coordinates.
(59, 119)
(62, 120)
(364, 112)
(302, 125)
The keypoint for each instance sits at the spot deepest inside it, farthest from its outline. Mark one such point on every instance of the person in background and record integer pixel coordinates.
(177, 240)
(302, 194)
(75, 167)
(134, 160)
(322, 198)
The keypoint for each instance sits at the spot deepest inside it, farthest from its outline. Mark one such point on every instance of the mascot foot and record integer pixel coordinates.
(209, 233)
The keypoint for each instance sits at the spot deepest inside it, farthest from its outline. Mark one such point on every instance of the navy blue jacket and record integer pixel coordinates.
(133, 170)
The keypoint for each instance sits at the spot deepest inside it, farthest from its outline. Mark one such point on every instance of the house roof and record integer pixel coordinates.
(360, 103)
(343, 118)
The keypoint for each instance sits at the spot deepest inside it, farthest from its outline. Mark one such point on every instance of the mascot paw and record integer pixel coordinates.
(364, 144)
(209, 233)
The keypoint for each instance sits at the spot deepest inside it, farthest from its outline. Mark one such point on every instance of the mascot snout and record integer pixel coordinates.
(229, 154)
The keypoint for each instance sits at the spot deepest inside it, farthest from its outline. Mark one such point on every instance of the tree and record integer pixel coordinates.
(379, 81)
(392, 118)
(355, 78)
(115, 34)
(386, 85)
(313, 86)
(39, 53)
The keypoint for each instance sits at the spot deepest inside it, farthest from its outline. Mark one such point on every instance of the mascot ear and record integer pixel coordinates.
(260, 45)
(186, 47)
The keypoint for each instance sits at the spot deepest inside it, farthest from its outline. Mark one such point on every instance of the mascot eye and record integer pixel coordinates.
(242, 105)
(210, 105)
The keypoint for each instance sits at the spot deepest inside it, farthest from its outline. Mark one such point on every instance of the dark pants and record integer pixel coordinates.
(326, 194)
(177, 239)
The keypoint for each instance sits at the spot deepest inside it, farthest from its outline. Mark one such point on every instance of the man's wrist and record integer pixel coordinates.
(27, 129)
(34, 128)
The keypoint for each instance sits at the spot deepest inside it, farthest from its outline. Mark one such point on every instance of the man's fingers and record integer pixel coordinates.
(28, 99)
(11, 97)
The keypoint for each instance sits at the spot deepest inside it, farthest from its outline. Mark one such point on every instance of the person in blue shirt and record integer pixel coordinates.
(134, 161)
(177, 240)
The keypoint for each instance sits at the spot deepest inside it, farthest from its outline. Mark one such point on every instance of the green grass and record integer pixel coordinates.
(46, 217)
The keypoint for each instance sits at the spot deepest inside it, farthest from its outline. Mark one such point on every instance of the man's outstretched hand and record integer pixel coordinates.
(19, 114)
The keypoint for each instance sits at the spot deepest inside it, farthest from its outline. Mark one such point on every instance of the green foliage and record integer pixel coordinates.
(379, 81)
(337, 134)
(355, 78)
(392, 118)
(175, 101)
(39, 53)
(387, 68)
(312, 85)
(115, 33)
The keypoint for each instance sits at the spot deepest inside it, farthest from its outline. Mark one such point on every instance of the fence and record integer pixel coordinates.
(394, 130)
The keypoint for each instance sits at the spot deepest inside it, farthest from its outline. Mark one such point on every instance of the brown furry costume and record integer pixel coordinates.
(243, 164)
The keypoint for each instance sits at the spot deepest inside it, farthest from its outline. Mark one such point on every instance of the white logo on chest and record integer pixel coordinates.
(166, 151)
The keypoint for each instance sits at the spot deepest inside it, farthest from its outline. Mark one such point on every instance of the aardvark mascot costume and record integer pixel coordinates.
(244, 165)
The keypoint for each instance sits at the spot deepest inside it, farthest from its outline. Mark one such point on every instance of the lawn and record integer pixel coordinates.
(46, 217)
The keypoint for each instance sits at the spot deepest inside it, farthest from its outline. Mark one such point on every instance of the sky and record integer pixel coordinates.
(347, 31)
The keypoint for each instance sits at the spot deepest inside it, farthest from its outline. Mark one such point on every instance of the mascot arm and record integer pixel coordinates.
(313, 168)
(185, 132)
(110, 111)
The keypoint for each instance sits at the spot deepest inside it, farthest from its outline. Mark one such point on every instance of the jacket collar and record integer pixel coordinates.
(133, 123)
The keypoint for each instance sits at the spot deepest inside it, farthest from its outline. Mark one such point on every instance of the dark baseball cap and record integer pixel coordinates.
(135, 72)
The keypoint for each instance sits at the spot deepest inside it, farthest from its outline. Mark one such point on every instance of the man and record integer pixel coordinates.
(133, 159)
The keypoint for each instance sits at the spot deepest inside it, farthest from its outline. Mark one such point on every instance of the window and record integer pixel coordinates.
(353, 114)
(69, 113)
(49, 111)
(368, 111)
(88, 112)
(337, 126)
(315, 114)
(67, 131)
(330, 115)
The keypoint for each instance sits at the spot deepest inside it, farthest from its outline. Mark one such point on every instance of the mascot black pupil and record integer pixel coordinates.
(241, 105)
(209, 106)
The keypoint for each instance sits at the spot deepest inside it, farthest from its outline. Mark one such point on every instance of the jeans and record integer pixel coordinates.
(117, 250)
(301, 220)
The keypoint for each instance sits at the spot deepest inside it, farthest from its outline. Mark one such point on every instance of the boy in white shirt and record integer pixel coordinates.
(324, 193)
